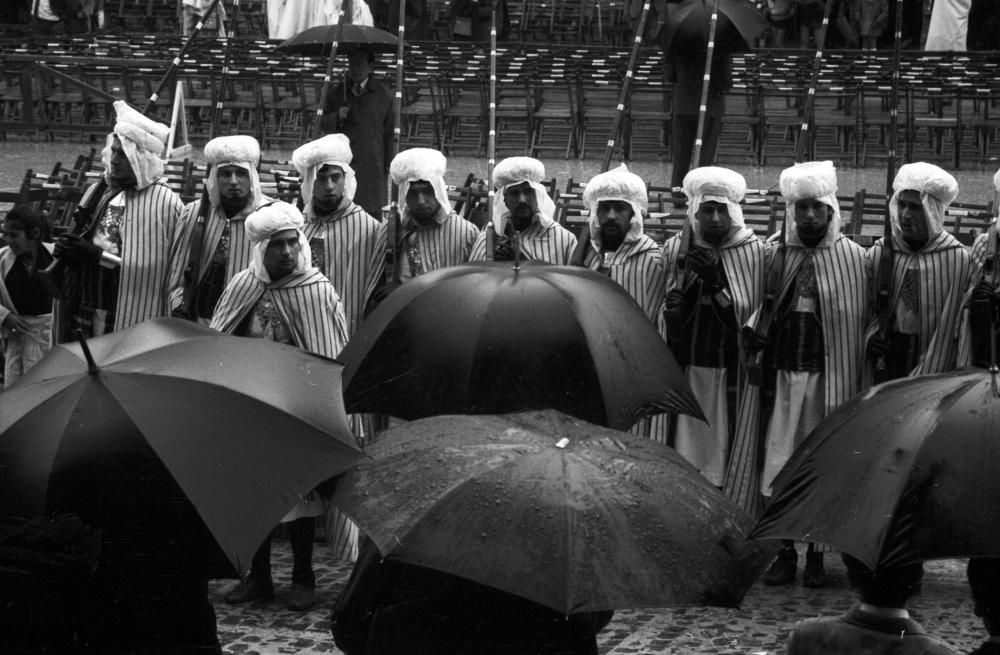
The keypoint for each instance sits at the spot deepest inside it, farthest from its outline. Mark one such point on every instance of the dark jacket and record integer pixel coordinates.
(858, 632)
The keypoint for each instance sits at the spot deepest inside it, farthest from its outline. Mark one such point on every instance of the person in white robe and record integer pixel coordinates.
(286, 18)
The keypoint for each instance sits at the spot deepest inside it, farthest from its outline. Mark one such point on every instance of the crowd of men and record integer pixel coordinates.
(774, 335)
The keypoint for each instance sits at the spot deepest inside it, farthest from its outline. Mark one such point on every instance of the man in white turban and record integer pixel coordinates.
(618, 248)
(814, 346)
(714, 270)
(282, 297)
(981, 316)
(523, 213)
(928, 272)
(120, 261)
(431, 235)
(219, 237)
(342, 236)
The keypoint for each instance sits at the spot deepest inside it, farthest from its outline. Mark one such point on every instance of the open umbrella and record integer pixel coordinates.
(905, 472)
(738, 25)
(490, 338)
(172, 430)
(545, 506)
(316, 40)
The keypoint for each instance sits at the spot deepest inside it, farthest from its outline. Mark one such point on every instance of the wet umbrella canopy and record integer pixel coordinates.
(548, 507)
(316, 40)
(489, 338)
(739, 23)
(174, 434)
(905, 472)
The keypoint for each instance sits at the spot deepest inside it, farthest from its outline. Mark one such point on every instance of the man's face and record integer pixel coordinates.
(520, 200)
(122, 173)
(614, 217)
(328, 190)
(282, 253)
(234, 184)
(812, 218)
(714, 220)
(912, 218)
(17, 238)
(358, 66)
(421, 201)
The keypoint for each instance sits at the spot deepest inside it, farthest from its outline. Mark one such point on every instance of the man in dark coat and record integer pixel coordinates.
(361, 108)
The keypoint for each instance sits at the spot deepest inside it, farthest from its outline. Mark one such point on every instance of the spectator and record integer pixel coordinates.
(470, 20)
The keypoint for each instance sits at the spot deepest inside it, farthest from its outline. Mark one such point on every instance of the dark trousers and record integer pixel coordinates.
(683, 131)
(301, 534)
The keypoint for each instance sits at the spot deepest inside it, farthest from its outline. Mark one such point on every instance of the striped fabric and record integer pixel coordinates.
(239, 244)
(345, 247)
(441, 245)
(638, 268)
(148, 229)
(945, 270)
(968, 355)
(553, 244)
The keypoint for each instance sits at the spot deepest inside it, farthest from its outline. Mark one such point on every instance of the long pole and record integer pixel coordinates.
(491, 141)
(807, 112)
(626, 87)
(391, 260)
(328, 76)
(706, 82)
(224, 80)
(179, 57)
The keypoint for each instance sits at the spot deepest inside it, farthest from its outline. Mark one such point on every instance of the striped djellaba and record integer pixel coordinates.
(553, 245)
(638, 268)
(441, 245)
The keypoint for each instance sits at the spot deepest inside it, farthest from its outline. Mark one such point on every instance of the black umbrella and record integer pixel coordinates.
(316, 40)
(490, 338)
(739, 23)
(169, 430)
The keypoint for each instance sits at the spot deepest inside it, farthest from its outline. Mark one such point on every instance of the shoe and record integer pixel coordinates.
(249, 590)
(301, 597)
(814, 575)
(782, 570)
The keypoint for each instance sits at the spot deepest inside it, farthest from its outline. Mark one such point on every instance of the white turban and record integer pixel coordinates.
(143, 141)
(811, 180)
(424, 164)
(267, 221)
(618, 184)
(937, 190)
(237, 150)
(715, 184)
(332, 149)
(511, 172)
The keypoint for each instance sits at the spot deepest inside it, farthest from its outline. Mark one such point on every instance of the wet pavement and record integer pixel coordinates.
(759, 627)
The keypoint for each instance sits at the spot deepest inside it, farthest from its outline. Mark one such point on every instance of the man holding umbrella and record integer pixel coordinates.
(342, 236)
(930, 275)
(526, 216)
(618, 248)
(233, 190)
(715, 270)
(814, 349)
(282, 297)
(361, 108)
(432, 235)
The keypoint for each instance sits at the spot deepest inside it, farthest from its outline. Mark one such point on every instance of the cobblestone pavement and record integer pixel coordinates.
(759, 627)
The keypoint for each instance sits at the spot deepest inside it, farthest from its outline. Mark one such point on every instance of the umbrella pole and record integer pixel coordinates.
(807, 112)
(91, 364)
(706, 82)
(328, 77)
(883, 272)
(626, 87)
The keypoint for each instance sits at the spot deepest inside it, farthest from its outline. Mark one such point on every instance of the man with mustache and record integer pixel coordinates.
(618, 247)
(233, 189)
(525, 215)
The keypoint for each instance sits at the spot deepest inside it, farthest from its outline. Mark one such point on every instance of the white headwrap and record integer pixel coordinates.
(333, 149)
(237, 150)
(811, 180)
(937, 188)
(143, 142)
(715, 184)
(267, 221)
(424, 164)
(513, 171)
(618, 184)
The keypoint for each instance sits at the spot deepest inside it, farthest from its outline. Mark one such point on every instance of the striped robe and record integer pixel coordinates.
(345, 249)
(441, 245)
(553, 245)
(965, 344)
(148, 230)
(638, 268)
(239, 245)
(742, 257)
(945, 270)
